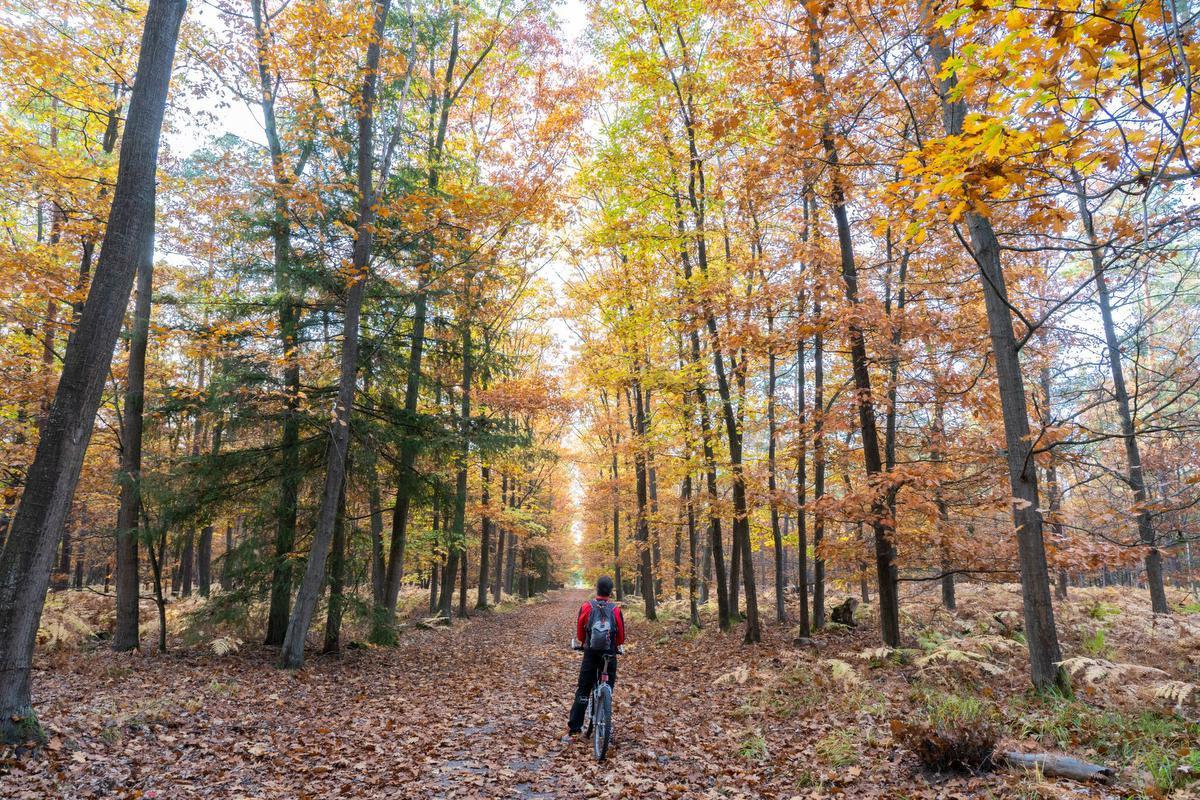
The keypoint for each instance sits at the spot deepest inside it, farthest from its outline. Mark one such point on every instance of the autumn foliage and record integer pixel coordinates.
(752, 306)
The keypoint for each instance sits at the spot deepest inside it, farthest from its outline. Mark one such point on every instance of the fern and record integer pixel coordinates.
(949, 657)
(1176, 692)
(62, 628)
(974, 653)
(739, 676)
(877, 653)
(1099, 670)
(842, 671)
(225, 645)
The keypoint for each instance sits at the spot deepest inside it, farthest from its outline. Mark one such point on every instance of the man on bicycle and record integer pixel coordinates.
(593, 616)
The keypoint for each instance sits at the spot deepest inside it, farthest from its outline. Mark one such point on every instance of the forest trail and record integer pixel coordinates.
(477, 710)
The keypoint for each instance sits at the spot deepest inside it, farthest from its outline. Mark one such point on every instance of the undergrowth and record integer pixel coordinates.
(1162, 748)
(949, 731)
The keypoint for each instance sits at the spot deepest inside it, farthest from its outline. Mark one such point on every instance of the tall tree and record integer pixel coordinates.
(881, 518)
(1040, 630)
(282, 176)
(50, 484)
(1134, 476)
(292, 652)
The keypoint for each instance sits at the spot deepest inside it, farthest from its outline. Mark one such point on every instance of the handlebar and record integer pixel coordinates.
(580, 648)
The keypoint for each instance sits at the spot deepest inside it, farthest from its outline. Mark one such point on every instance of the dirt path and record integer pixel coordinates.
(474, 711)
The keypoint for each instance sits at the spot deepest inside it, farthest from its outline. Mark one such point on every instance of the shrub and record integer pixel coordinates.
(954, 733)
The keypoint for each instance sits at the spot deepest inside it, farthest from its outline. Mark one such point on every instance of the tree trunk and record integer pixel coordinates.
(653, 529)
(677, 563)
(510, 567)
(693, 537)
(735, 571)
(125, 634)
(937, 456)
(375, 508)
(1133, 457)
(646, 573)
(64, 560)
(156, 566)
(498, 577)
(384, 619)
(187, 566)
(337, 579)
(802, 474)
(1040, 631)
(485, 535)
(885, 547)
(434, 585)
(52, 477)
(725, 608)
(818, 600)
(772, 487)
(176, 572)
(187, 561)
(435, 569)
(204, 561)
(79, 569)
(204, 547)
(457, 539)
(614, 439)
(227, 559)
(462, 579)
(1052, 486)
(523, 591)
(292, 653)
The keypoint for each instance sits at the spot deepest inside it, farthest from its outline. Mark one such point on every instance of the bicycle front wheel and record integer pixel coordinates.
(602, 720)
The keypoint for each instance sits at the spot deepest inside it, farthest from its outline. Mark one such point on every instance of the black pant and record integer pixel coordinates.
(592, 661)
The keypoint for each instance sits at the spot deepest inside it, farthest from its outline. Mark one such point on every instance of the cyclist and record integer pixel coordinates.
(604, 609)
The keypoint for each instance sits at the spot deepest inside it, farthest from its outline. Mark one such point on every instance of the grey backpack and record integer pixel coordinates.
(601, 627)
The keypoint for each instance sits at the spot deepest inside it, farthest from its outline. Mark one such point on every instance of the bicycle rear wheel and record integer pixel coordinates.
(602, 719)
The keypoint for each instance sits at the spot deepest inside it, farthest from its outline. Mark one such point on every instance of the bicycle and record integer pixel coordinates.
(598, 717)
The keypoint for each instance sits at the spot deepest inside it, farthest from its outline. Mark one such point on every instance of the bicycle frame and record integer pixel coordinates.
(599, 710)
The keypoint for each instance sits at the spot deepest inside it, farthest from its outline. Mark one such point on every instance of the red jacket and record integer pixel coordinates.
(585, 611)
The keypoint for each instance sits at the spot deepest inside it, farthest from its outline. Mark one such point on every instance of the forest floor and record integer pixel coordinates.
(479, 710)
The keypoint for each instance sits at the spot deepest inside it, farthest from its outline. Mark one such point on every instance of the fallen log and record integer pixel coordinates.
(1053, 766)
